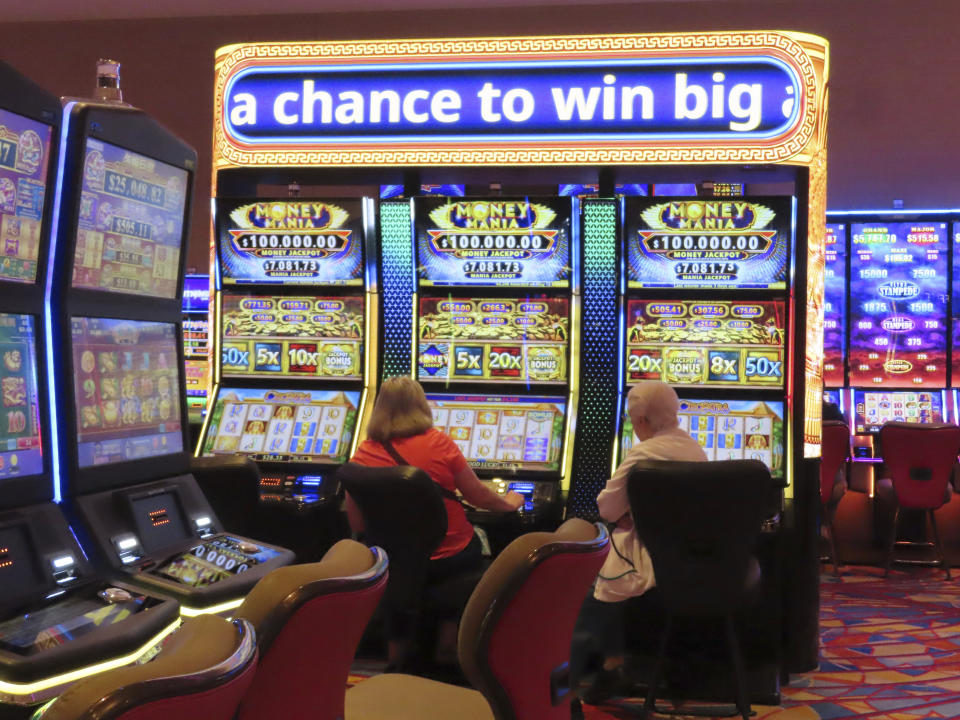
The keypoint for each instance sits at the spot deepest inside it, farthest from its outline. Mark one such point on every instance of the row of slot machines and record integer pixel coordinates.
(891, 323)
(507, 308)
(105, 536)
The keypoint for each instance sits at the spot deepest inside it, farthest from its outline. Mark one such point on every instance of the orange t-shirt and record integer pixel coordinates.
(438, 456)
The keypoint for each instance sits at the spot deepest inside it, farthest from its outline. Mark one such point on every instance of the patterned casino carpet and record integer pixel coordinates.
(890, 650)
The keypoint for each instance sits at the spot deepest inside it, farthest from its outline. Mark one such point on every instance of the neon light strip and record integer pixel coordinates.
(186, 611)
(20, 689)
(48, 310)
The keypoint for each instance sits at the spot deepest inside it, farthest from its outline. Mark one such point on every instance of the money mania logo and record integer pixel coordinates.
(707, 229)
(493, 229)
(289, 229)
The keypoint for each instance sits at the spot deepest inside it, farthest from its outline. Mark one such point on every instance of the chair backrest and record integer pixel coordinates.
(231, 485)
(834, 453)
(700, 522)
(919, 459)
(403, 512)
(515, 633)
(309, 619)
(202, 672)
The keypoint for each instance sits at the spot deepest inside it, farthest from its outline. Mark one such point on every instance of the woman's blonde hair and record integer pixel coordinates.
(401, 410)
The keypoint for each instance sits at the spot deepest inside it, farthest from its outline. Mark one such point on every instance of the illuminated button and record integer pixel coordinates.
(115, 595)
(247, 547)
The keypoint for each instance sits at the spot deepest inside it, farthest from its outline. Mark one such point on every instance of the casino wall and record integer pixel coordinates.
(892, 130)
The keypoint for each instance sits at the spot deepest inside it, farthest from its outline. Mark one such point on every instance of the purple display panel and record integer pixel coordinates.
(130, 228)
(956, 307)
(898, 300)
(24, 160)
(835, 305)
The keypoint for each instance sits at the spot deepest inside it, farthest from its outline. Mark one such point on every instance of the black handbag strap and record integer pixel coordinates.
(399, 459)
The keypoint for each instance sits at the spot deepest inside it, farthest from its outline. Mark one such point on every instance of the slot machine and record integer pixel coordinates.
(195, 329)
(495, 316)
(955, 326)
(899, 294)
(295, 334)
(116, 380)
(835, 314)
(60, 619)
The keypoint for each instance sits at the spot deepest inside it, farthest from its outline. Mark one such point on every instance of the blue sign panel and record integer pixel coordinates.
(625, 99)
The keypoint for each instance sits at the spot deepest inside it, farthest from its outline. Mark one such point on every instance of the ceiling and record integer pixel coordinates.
(64, 10)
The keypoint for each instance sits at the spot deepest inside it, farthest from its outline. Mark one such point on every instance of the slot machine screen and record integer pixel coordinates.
(159, 519)
(283, 425)
(872, 409)
(131, 221)
(708, 243)
(493, 241)
(898, 292)
(21, 452)
(504, 340)
(309, 338)
(505, 434)
(291, 242)
(126, 385)
(719, 342)
(835, 305)
(24, 169)
(728, 430)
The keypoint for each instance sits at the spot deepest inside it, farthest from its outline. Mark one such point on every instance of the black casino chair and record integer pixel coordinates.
(231, 485)
(202, 672)
(700, 522)
(403, 513)
(309, 619)
(514, 643)
(834, 459)
(919, 460)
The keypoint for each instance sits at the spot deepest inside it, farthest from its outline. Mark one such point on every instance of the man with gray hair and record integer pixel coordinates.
(628, 571)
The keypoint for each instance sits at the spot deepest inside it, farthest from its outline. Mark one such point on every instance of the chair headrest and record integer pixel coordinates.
(900, 426)
(345, 567)
(204, 653)
(706, 475)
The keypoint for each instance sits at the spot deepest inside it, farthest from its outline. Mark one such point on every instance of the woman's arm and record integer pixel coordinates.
(481, 496)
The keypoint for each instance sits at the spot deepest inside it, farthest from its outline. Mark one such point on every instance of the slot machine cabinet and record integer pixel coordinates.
(60, 619)
(117, 367)
(295, 329)
(522, 113)
(195, 328)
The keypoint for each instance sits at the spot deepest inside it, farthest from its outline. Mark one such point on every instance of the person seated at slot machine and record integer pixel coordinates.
(401, 428)
(626, 577)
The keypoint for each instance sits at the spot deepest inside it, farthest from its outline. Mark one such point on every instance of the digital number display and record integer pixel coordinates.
(718, 343)
(287, 336)
(159, 520)
(898, 294)
(503, 433)
(126, 390)
(212, 562)
(873, 409)
(835, 305)
(707, 243)
(24, 168)
(291, 242)
(493, 339)
(130, 225)
(21, 450)
(728, 430)
(493, 241)
(283, 425)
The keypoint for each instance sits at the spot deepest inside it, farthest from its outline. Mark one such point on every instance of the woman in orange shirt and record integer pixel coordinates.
(402, 417)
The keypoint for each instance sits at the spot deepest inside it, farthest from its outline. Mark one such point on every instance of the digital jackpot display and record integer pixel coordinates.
(898, 299)
(20, 445)
(24, 165)
(708, 243)
(493, 339)
(125, 390)
(519, 433)
(716, 343)
(291, 242)
(288, 336)
(493, 241)
(283, 425)
(872, 409)
(834, 305)
(130, 224)
(729, 430)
